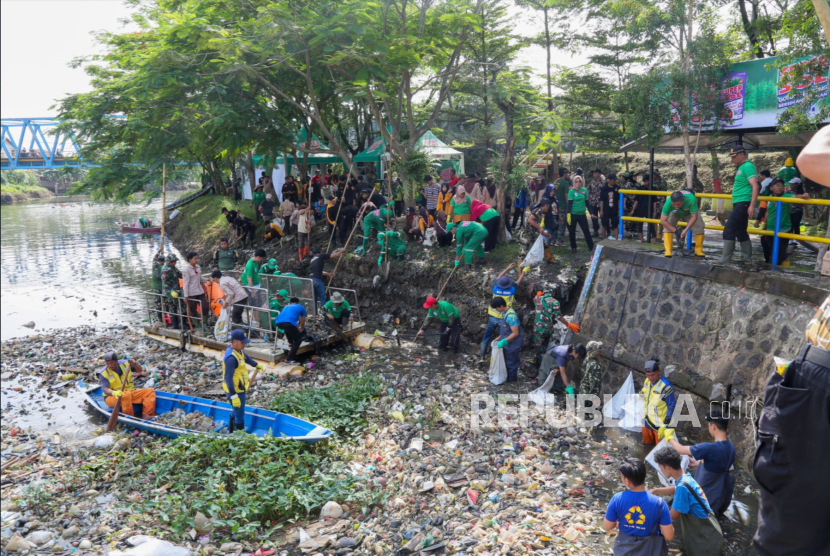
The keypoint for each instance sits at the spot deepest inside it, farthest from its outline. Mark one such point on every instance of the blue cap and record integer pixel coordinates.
(240, 335)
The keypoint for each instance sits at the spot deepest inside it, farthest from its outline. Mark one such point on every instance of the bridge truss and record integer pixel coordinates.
(35, 143)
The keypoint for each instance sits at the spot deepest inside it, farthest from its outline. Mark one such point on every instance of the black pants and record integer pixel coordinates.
(444, 240)
(238, 308)
(791, 455)
(346, 225)
(492, 226)
(193, 302)
(345, 315)
(611, 222)
(331, 233)
(294, 336)
(247, 236)
(767, 244)
(449, 335)
(735, 229)
(594, 211)
(582, 220)
(518, 213)
(399, 208)
(795, 220)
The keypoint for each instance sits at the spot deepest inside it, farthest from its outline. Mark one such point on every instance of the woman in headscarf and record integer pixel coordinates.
(488, 192)
(460, 206)
(441, 234)
(591, 370)
(490, 218)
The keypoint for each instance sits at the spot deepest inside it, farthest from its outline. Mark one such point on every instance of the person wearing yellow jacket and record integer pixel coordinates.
(235, 379)
(116, 380)
(658, 405)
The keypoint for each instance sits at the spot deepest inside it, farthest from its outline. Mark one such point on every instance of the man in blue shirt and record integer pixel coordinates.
(235, 380)
(505, 288)
(643, 519)
(690, 509)
(291, 320)
(713, 460)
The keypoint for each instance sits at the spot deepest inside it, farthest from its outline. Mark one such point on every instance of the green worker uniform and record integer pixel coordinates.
(787, 173)
(469, 239)
(335, 310)
(488, 214)
(689, 207)
(443, 311)
(742, 190)
(375, 220)
(396, 245)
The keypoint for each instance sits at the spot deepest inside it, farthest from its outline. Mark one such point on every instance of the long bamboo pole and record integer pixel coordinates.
(163, 203)
(340, 258)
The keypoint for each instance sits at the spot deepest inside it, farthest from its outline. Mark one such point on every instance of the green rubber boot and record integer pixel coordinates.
(746, 252)
(728, 249)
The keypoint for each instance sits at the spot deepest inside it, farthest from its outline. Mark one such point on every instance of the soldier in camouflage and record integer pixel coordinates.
(591, 370)
(170, 276)
(547, 312)
(158, 264)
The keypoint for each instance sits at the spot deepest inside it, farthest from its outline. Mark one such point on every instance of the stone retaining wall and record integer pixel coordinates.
(715, 330)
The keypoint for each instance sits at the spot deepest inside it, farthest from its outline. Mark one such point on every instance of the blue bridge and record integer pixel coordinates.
(35, 143)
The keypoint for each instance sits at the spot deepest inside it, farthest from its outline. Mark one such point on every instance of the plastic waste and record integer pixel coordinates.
(498, 368)
(626, 406)
(667, 481)
(536, 254)
(221, 329)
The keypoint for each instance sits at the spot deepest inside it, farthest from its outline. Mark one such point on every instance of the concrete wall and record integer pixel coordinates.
(714, 329)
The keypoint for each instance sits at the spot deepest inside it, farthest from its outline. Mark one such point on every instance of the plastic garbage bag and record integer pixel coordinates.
(498, 368)
(667, 481)
(626, 406)
(507, 235)
(542, 395)
(536, 254)
(429, 237)
(221, 329)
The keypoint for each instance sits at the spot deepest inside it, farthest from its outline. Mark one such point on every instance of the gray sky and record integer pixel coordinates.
(39, 38)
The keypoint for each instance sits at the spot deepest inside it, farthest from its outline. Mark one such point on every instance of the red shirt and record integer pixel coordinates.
(454, 181)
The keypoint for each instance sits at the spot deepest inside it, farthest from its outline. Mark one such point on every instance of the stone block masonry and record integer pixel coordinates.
(715, 329)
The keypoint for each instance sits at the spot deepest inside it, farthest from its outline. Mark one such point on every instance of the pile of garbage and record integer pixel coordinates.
(194, 421)
(442, 485)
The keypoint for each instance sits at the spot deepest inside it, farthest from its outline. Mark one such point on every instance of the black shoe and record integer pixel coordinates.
(573, 251)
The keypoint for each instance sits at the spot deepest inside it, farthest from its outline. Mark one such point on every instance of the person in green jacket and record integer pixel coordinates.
(744, 196)
(449, 322)
(577, 213)
(491, 220)
(788, 171)
(258, 198)
(392, 241)
(270, 267)
(225, 258)
(682, 205)
(375, 220)
(468, 238)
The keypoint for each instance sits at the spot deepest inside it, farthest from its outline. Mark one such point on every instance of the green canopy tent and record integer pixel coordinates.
(447, 157)
(312, 158)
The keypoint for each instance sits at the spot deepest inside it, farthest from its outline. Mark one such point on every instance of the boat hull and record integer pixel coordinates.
(130, 230)
(259, 422)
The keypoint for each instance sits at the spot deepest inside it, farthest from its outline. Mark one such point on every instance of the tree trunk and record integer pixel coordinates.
(547, 50)
(251, 170)
(687, 100)
(507, 109)
(750, 29)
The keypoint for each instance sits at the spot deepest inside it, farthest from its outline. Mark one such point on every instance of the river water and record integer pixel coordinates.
(65, 259)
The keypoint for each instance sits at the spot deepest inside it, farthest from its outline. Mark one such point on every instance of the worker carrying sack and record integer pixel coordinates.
(498, 368)
(221, 330)
(702, 536)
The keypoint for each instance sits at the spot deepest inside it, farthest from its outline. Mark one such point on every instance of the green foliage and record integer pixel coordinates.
(17, 177)
(246, 483)
(340, 407)
(762, 96)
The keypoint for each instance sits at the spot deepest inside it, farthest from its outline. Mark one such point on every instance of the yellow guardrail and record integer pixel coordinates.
(755, 231)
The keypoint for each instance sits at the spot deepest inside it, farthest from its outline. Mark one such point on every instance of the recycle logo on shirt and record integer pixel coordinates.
(635, 516)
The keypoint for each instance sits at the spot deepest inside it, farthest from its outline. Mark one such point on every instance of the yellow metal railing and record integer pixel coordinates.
(755, 231)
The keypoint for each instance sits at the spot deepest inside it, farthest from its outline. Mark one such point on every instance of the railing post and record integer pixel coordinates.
(622, 213)
(775, 234)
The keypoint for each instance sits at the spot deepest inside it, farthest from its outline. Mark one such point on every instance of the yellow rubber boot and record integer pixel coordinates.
(699, 246)
(668, 240)
(785, 263)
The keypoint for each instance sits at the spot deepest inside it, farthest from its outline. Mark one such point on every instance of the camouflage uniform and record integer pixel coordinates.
(170, 276)
(591, 371)
(547, 313)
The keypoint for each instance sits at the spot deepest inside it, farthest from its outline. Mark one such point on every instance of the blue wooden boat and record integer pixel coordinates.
(259, 422)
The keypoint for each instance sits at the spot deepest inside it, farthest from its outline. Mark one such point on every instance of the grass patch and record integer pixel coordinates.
(247, 484)
(201, 224)
(339, 407)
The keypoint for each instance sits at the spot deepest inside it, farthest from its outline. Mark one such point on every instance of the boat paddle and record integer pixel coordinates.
(113, 422)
